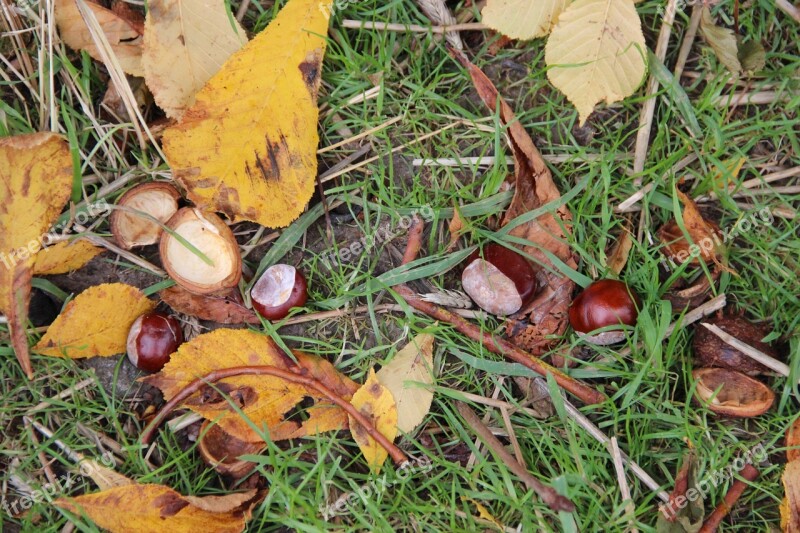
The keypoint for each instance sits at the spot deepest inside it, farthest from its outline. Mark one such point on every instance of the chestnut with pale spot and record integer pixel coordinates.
(152, 339)
(280, 288)
(499, 280)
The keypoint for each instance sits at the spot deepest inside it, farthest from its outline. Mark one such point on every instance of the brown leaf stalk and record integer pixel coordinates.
(297, 376)
(750, 473)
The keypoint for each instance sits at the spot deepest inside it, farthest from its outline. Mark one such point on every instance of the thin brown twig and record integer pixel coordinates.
(548, 495)
(750, 473)
(293, 376)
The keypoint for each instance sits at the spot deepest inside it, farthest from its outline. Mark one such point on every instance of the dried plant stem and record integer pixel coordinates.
(293, 376)
(415, 28)
(548, 495)
(778, 366)
(750, 473)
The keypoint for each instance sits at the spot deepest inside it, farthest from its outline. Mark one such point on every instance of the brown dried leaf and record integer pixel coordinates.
(790, 507)
(35, 182)
(225, 308)
(96, 322)
(618, 257)
(135, 508)
(546, 315)
(263, 399)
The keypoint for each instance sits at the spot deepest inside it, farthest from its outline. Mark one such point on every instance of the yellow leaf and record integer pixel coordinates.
(185, 43)
(263, 399)
(727, 175)
(247, 147)
(790, 506)
(125, 40)
(376, 403)
(65, 257)
(406, 376)
(522, 19)
(35, 182)
(596, 52)
(721, 40)
(135, 508)
(96, 322)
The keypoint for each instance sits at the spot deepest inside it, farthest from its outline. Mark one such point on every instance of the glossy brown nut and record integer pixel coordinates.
(740, 395)
(711, 351)
(280, 288)
(157, 199)
(604, 303)
(221, 451)
(152, 339)
(500, 281)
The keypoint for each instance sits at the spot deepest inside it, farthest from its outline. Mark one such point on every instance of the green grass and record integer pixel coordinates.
(648, 408)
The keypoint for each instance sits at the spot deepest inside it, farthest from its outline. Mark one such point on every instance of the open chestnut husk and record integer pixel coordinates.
(739, 396)
(711, 351)
(221, 451)
(499, 280)
(157, 199)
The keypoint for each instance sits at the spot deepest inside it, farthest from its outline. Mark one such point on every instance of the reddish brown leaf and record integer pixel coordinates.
(546, 315)
(226, 308)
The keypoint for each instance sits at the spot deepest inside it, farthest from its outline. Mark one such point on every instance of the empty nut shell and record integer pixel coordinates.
(739, 395)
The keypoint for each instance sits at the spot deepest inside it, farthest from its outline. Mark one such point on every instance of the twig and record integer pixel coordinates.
(688, 40)
(548, 495)
(624, 489)
(293, 376)
(749, 351)
(415, 28)
(750, 473)
(789, 8)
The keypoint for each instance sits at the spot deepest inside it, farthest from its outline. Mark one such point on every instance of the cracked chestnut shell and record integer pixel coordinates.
(605, 302)
(157, 199)
(739, 394)
(279, 288)
(500, 281)
(153, 337)
(711, 351)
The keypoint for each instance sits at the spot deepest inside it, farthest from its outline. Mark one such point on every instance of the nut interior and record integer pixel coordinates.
(184, 263)
(737, 389)
(275, 286)
(131, 229)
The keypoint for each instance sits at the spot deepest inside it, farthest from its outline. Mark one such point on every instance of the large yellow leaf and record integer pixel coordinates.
(247, 147)
(185, 43)
(35, 182)
(64, 257)
(136, 508)
(96, 322)
(122, 35)
(406, 376)
(376, 403)
(596, 52)
(522, 19)
(263, 399)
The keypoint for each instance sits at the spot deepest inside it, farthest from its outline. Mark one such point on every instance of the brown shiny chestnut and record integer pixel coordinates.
(604, 303)
(152, 339)
(739, 395)
(499, 280)
(279, 288)
(711, 351)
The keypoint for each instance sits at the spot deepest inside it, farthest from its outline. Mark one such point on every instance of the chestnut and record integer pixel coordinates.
(152, 339)
(279, 288)
(499, 280)
(605, 302)
(711, 351)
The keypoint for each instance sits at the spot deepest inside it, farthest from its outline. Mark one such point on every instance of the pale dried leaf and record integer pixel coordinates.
(408, 377)
(522, 19)
(722, 41)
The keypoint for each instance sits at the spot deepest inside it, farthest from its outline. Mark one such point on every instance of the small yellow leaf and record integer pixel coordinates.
(596, 52)
(65, 257)
(135, 508)
(247, 147)
(406, 376)
(790, 506)
(376, 403)
(522, 19)
(96, 322)
(35, 182)
(185, 43)
(721, 40)
(263, 399)
(125, 40)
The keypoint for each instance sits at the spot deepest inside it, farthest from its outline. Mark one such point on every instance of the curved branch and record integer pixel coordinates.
(396, 453)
